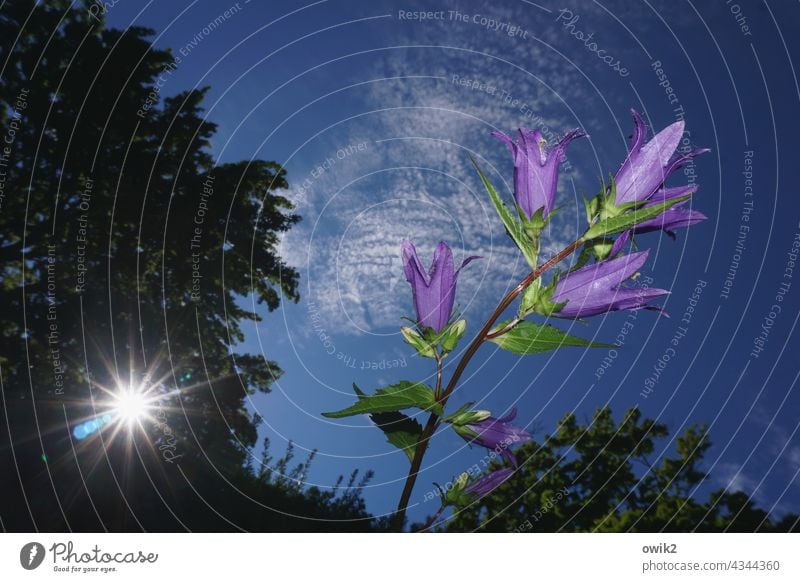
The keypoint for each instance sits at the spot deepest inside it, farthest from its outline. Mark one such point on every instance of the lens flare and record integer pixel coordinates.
(131, 405)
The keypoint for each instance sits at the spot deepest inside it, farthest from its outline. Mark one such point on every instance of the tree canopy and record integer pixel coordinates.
(598, 477)
(129, 259)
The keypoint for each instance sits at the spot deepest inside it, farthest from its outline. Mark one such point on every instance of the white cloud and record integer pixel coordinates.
(414, 179)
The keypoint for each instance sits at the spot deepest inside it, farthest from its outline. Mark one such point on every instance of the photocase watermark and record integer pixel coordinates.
(738, 15)
(81, 235)
(6, 148)
(685, 145)
(533, 119)
(69, 560)
(568, 21)
(31, 555)
(328, 163)
(489, 23)
(344, 358)
(95, 560)
(664, 82)
(53, 333)
(785, 284)
(677, 337)
(483, 21)
(744, 226)
(196, 239)
(161, 80)
(548, 505)
(209, 28)
(100, 8)
(166, 441)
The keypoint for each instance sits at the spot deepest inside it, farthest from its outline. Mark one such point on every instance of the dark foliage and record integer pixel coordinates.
(598, 477)
(128, 256)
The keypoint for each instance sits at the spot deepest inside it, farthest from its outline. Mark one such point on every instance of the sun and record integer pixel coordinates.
(131, 405)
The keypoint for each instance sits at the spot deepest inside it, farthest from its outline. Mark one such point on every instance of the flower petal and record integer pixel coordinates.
(489, 482)
(645, 169)
(605, 274)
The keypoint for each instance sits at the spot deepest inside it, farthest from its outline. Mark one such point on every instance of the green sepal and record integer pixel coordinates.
(452, 334)
(533, 226)
(429, 341)
(533, 338)
(537, 299)
(592, 208)
(415, 340)
(456, 496)
(392, 398)
(465, 432)
(463, 416)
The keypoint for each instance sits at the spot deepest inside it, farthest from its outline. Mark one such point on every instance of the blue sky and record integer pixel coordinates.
(373, 112)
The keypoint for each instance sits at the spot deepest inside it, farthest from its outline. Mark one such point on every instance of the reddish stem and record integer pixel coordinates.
(433, 421)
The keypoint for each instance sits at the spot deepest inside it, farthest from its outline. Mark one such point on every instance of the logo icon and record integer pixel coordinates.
(31, 555)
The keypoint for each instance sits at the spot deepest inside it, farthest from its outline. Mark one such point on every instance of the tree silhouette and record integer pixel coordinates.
(598, 477)
(130, 258)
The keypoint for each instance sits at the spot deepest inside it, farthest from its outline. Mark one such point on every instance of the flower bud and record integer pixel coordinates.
(465, 417)
(455, 495)
(452, 335)
(416, 341)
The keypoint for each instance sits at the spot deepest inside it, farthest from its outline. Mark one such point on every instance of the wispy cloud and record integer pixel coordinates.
(413, 179)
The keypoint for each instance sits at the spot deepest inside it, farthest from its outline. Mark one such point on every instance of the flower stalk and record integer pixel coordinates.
(434, 420)
(636, 202)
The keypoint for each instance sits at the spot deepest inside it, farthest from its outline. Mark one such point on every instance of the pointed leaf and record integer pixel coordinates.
(533, 338)
(513, 225)
(400, 430)
(630, 219)
(392, 398)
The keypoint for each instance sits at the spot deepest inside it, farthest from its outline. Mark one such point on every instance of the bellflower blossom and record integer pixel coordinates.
(489, 482)
(649, 164)
(434, 291)
(596, 289)
(536, 169)
(495, 433)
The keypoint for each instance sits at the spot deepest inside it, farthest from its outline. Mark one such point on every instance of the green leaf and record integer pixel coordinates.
(533, 338)
(630, 219)
(513, 225)
(390, 399)
(400, 430)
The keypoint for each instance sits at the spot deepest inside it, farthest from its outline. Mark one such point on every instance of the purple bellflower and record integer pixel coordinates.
(495, 433)
(434, 291)
(536, 168)
(649, 164)
(596, 289)
(489, 482)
